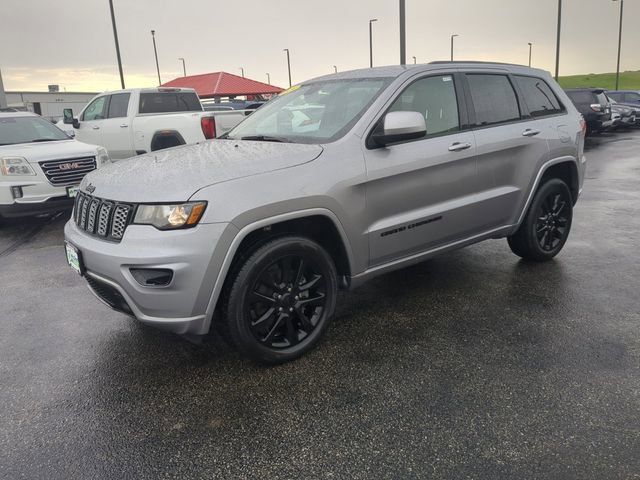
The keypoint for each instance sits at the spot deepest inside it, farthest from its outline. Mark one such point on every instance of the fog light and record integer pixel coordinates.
(16, 192)
(152, 277)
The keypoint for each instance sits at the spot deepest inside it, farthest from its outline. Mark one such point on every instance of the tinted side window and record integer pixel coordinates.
(493, 98)
(118, 105)
(435, 98)
(95, 110)
(538, 96)
(632, 97)
(161, 102)
(618, 97)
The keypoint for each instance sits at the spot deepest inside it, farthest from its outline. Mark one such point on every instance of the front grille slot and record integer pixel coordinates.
(69, 171)
(102, 218)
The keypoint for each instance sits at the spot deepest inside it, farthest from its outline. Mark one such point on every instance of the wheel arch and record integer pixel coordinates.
(166, 139)
(326, 229)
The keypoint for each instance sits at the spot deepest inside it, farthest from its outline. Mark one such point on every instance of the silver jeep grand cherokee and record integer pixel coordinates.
(335, 181)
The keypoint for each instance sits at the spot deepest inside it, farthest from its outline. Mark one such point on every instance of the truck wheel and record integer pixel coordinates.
(545, 228)
(281, 300)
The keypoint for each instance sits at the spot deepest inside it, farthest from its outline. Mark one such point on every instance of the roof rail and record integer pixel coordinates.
(438, 62)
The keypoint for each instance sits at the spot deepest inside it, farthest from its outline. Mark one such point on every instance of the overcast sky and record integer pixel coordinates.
(70, 42)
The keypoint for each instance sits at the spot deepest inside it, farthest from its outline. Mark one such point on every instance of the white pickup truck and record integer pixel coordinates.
(141, 120)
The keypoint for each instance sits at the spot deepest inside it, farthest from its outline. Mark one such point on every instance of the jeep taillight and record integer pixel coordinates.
(208, 125)
(596, 107)
(583, 126)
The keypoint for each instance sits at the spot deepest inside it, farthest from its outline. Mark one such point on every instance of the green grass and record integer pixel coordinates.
(628, 81)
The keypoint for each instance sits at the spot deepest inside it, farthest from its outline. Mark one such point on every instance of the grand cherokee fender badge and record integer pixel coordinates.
(90, 188)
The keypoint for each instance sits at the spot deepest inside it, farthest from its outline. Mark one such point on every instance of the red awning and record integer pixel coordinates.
(222, 84)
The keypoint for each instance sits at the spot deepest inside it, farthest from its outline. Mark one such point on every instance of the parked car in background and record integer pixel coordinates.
(248, 106)
(625, 117)
(626, 97)
(40, 166)
(619, 98)
(262, 226)
(594, 106)
(136, 121)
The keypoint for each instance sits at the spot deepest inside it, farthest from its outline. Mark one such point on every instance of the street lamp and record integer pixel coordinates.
(242, 70)
(335, 69)
(452, 37)
(115, 39)
(558, 39)
(403, 33)
(155, 51)
(530, 49)
(619, 44)
(414, 60)
(184, 66)
(371, 41)
(268, 78)
(288, 65)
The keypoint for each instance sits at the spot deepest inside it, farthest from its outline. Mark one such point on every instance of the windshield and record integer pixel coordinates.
(319, 112)
(28, 130)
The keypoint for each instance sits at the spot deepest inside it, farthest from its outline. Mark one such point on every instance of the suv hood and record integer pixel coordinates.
(43, 151)
(174, 175)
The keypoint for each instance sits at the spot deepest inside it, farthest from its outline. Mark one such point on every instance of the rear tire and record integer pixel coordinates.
(280, 300)
(547, 224)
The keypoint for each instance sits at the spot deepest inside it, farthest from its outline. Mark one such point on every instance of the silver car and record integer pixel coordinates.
(335, 181)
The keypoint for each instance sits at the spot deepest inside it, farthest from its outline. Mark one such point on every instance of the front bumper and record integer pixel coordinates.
(38, 196)
(179, 307)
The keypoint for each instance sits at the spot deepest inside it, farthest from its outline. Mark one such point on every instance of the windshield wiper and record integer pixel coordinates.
(265, 138)
(47, 140)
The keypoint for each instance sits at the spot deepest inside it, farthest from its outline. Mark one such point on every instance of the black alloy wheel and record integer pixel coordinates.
(280, 300)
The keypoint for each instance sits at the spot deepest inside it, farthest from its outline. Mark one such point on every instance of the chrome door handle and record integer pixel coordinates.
(123, 125)
(95, 127)
(458, 147)
(530, 133)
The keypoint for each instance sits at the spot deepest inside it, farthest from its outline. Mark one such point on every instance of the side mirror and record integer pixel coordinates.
(400, 127)
(67, 116)
(75, 123)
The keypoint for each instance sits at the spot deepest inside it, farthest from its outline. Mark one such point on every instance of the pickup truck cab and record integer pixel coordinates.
(257, 231)
(140, 120)
(40, 166)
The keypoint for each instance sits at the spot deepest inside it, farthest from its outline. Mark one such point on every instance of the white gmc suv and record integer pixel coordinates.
(40, 166)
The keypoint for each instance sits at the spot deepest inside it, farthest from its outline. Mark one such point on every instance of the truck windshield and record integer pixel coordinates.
(15, 130)
(318, 112)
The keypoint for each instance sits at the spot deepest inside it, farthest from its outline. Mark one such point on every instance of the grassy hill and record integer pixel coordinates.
(628, 81)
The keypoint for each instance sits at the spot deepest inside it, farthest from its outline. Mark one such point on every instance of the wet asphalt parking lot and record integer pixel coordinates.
(471, 365)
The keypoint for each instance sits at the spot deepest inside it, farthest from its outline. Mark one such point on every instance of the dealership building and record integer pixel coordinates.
(48, 104)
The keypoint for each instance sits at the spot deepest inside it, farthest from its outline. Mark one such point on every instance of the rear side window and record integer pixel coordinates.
(118, 105)
(167, 102)
(538, 96)
(581, 96)
(632, 97)
(494, 99)
(618, 97)
(435, 98)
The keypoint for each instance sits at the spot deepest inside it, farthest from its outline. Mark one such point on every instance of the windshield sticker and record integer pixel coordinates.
(290, 89)
(446, 79)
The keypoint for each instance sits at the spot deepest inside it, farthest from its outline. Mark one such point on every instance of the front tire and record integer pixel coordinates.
(546, 227)
(280, 300)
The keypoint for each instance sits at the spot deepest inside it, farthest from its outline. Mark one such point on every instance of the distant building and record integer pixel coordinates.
(49, 104)
(219, 85)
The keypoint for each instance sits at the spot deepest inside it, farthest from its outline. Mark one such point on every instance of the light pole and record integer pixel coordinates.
(335, 69)
(3, 97)
(414, 60)
(115, 39)
(288, 65)
(155, 51)
(403, 34)
(530, 49)
(268, 78)
(619, 43)
(452, 37)
(184, 66)
(371, 41)
(558, 39)
(242, 70)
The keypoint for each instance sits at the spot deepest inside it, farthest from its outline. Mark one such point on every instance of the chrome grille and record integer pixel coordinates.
(102, 218)
(69, 171)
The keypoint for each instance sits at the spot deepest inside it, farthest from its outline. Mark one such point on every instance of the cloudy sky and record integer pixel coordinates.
(70, 42)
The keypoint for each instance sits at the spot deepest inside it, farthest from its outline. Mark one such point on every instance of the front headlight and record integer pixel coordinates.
(170, 217)
(15, 166)
(102, 156)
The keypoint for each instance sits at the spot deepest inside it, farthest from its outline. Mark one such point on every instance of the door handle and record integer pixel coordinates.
(530, 133)
(123, 125)
(95, 127)
(458, 147)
